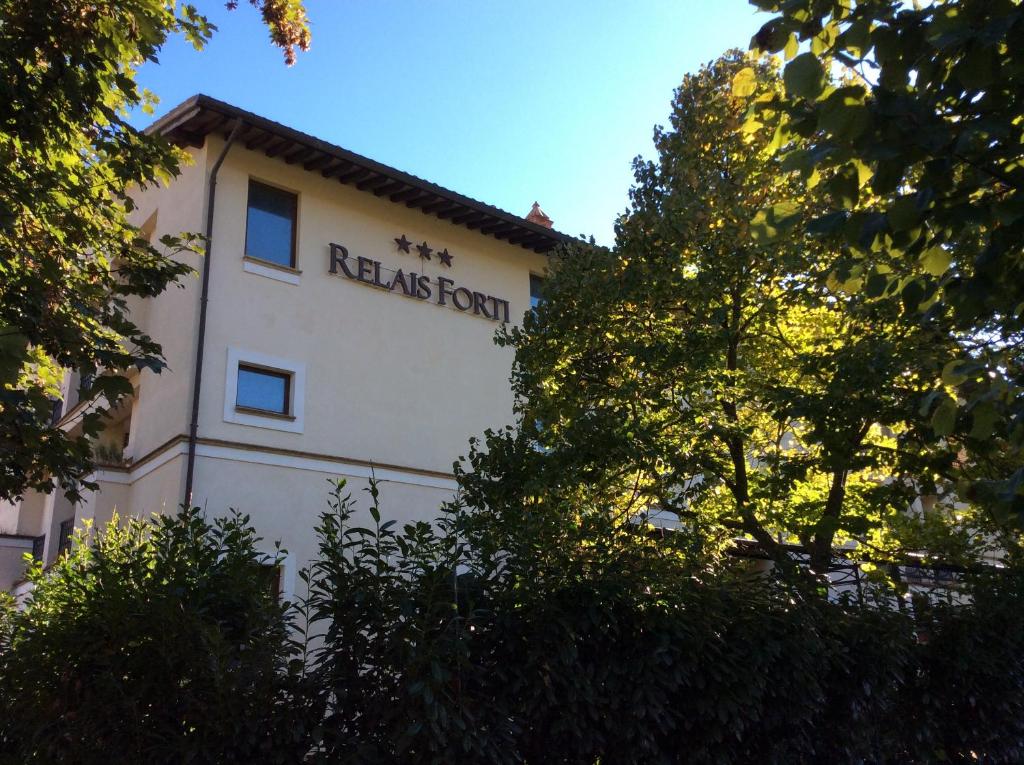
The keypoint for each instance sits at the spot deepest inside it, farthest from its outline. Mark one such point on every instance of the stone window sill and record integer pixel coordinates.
(280, 273)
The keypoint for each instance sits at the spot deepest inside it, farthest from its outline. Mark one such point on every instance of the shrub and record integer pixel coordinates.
(156, 641)
(393, 663)
(471, 641)
(456, 643)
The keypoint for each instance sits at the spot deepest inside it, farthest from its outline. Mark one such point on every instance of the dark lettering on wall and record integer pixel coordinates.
(339, 257)
(400, 279)
(462, 291)
(442, 290)
(365, 267)
(423, 283)
(414, 285)
(478, 304)
(502, 304)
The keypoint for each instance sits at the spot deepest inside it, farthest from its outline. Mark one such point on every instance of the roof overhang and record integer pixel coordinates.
(189, 123)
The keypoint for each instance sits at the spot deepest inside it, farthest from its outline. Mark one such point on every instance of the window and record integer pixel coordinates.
(264, 390)
(67, 528)
(56, 410)
(276, 573)
(536, 285)
(271, 575)
(270, 225)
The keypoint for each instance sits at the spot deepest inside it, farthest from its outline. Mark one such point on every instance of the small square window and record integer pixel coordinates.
(270, 225)
(264, 390)
(536, 286)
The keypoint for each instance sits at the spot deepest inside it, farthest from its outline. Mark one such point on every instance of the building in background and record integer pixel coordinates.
(350, 311)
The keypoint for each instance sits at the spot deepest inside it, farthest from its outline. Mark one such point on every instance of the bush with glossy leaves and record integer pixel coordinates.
(154, 641)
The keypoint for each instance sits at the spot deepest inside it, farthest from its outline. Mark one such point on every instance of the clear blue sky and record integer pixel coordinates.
(508, 102)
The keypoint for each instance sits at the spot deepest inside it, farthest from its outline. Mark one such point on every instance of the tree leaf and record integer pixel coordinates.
(843, 113)
(770, 222)
(944, 417)
(844, 187)
(983, 419)
(912, 295)
(804, 76)
(792, 46)
(13, 354)
(976, 69)
(903, 214)
(876, 284)
(950, 374)
(935, 260)
(744, 83)
(827, 224)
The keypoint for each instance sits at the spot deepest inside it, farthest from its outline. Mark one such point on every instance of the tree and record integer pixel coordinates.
(161, 641)
(473, 641)
(915, 110)
(69, 260)
(156, 641)
(710, 367)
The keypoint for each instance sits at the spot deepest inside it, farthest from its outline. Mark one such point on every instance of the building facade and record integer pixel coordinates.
(340, 326)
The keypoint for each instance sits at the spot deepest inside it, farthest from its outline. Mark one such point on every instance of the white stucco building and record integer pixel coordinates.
(342, 323)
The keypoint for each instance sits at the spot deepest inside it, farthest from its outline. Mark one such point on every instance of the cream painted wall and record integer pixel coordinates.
(388, 378)
(31, 512)
(285, 503)
(9, 512)
(99, 506)
(160, 489)
(57, 509)
(164, 400)
(12, 560)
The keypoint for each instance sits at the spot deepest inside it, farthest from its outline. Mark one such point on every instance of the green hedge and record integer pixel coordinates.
(160, 644)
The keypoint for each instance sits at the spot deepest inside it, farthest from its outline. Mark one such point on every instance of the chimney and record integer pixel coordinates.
(536, 215)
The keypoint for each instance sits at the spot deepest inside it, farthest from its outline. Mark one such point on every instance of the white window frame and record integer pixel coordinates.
(295, 421)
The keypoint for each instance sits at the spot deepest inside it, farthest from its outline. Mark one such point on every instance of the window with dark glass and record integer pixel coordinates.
(270, 576)
(67, 528)
(270, 224)
(56, 410)
(263, 389)
(536, 285)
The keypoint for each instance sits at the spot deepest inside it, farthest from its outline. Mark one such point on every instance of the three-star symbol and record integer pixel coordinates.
(424, 250)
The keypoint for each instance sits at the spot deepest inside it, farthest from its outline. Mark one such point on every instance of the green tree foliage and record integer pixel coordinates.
(156, 641)
(915, 110)
(392, 663)
(462, 642)
(69, 260)
(712, 368)
(458, 642)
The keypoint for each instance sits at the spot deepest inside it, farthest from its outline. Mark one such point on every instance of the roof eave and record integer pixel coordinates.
(193, 120)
